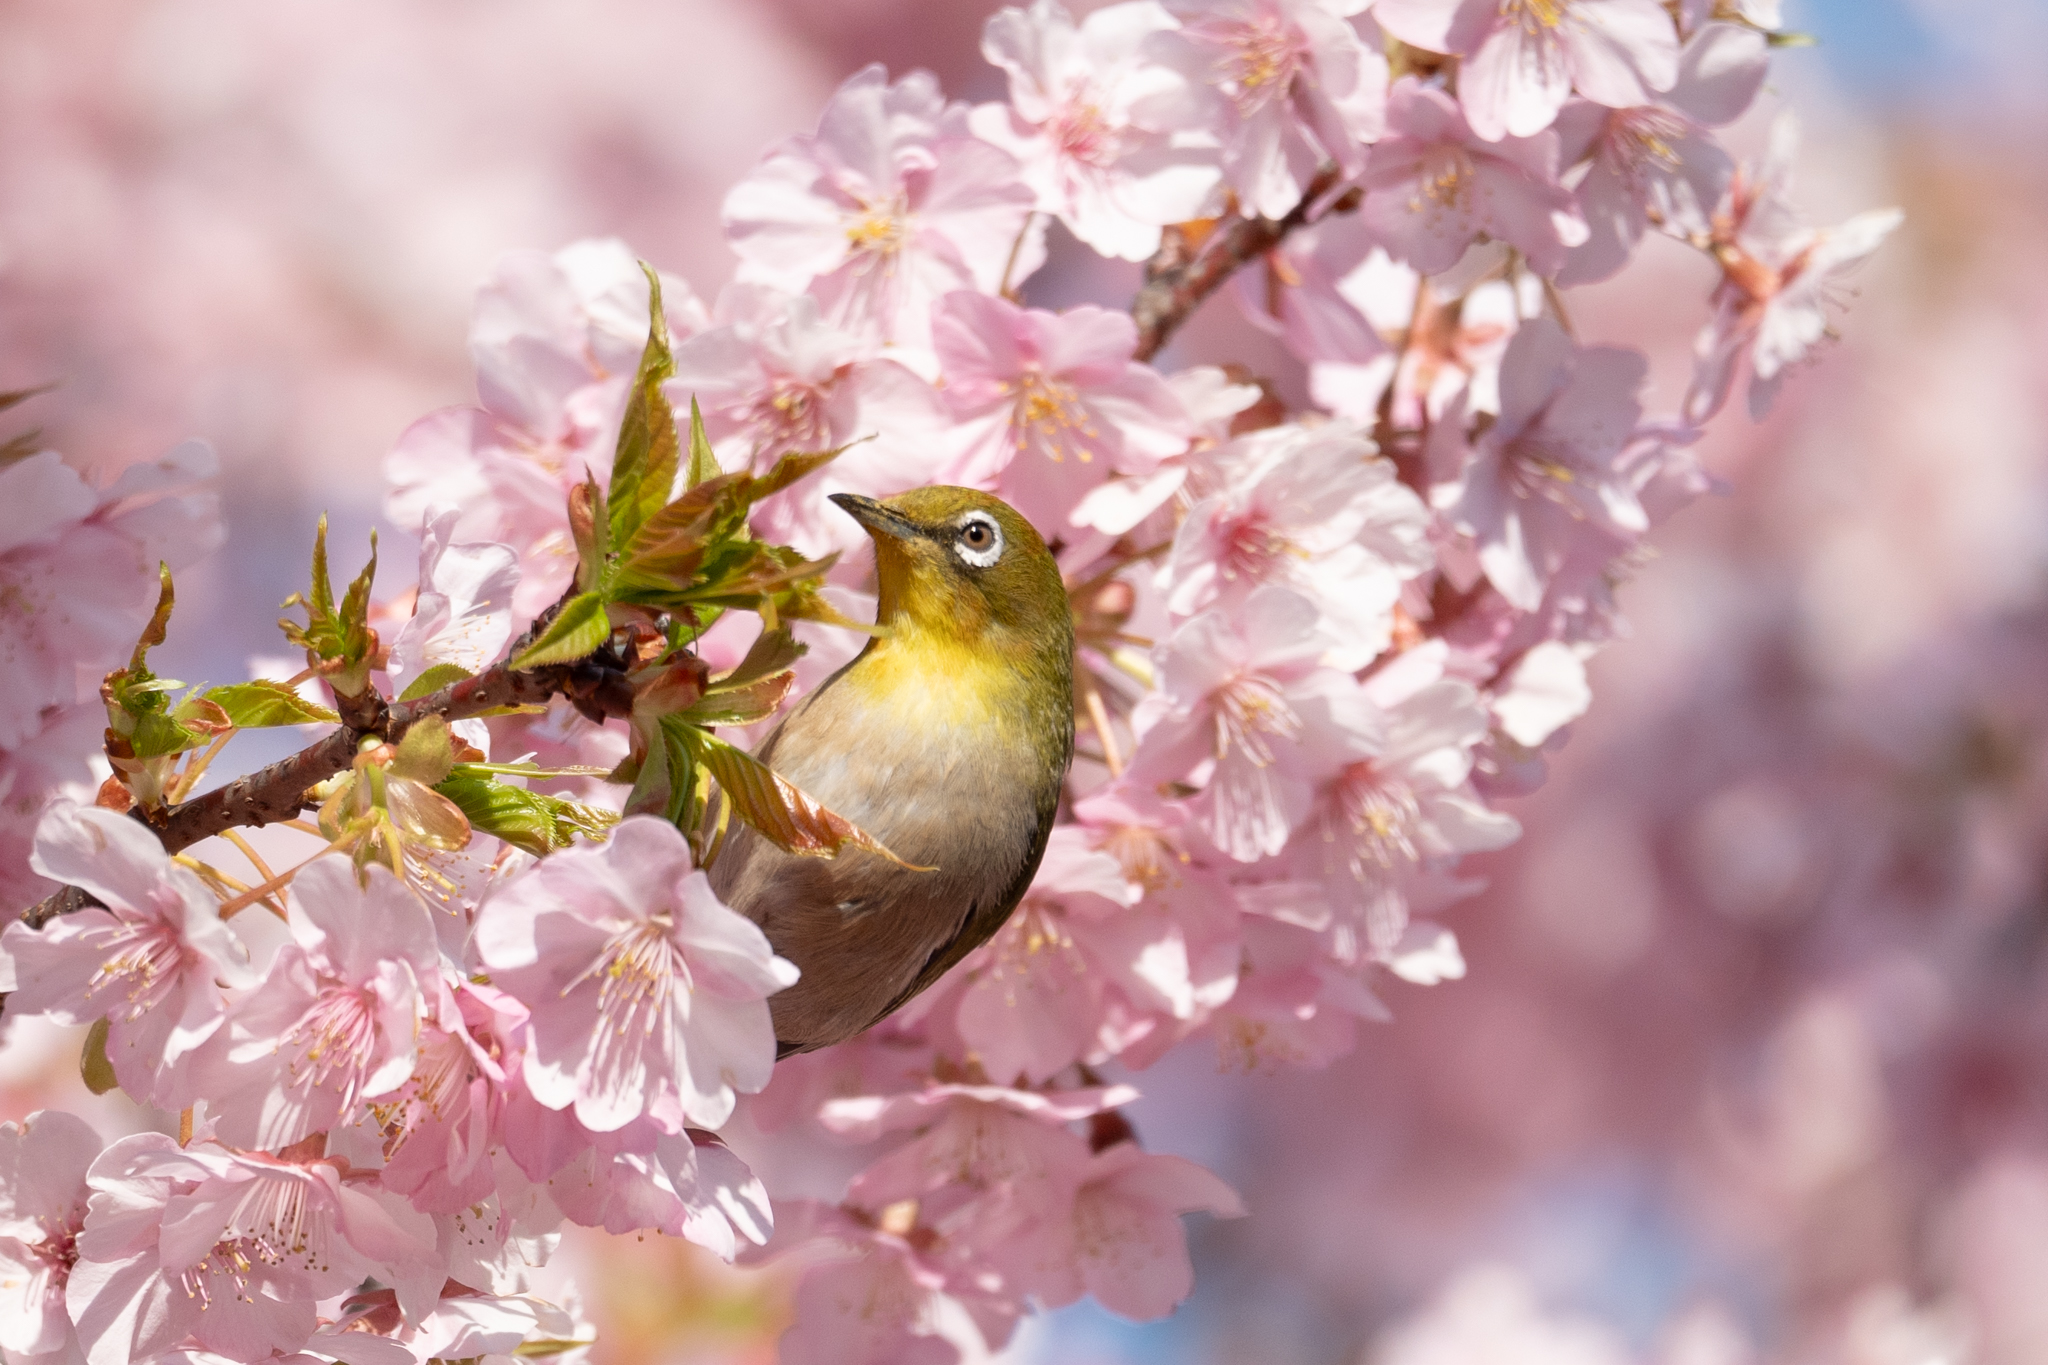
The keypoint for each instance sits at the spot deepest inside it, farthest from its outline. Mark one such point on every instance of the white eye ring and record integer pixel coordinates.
(978, 556)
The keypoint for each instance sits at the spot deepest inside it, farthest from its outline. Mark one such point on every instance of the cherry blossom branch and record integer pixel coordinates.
(278, 792)
(1177, 279)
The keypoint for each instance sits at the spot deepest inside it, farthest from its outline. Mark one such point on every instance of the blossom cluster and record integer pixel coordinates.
(1314, 652)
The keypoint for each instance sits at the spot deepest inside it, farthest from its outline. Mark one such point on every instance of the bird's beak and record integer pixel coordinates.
(878, 518)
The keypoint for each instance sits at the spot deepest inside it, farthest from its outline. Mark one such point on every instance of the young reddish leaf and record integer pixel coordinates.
(742, 705)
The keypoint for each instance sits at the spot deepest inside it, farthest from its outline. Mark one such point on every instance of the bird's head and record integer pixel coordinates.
(962, 567)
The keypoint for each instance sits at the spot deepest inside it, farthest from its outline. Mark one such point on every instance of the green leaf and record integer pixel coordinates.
(743, 705)
(92, 1062)
(644, 466)
(193, 722)
(773, 651)
(784, 814)
(795, 466)
(666, 777)
(426, 752)
(433, 680)
(262, 703)
(533, 821)
(703, 464)
(339, 637)
(577, 631)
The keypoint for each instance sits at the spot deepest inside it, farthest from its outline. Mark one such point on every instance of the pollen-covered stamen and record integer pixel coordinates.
(789, 416)
(141, 968)
(1049, 415)
(1375, 821)
(1037, 936)
(642, 985)
(1248, 709)
(1264, 57)
(1146, 855)
(1251, 546)
(1535, 468)
(333, 1041)
(880, 229)
(1082, 132)
(1446, 181)
(444, 1070)
(1534, 16)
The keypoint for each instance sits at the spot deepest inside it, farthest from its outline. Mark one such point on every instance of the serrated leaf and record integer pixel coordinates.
(195, 721)
(426, 752)
(644, 465)
(433, 680)
(794, 466)
(742, 705)
(785, 815)
(773, 651)
(534, 821)
(93, 1065)
(667, 773)
(577, 631)
(262, 703)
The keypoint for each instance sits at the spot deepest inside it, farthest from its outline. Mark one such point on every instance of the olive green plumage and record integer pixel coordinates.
(947, 739)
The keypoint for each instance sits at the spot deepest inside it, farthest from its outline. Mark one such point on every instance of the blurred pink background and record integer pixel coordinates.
(1752, 1060)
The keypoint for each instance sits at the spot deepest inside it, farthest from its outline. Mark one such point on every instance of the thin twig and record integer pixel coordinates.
(1175, 287)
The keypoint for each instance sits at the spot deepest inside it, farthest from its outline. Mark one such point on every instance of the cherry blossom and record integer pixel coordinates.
(1311, 508)
(1547, 468)
(1433, 185)
(648, 996)
(1410, 805)
(462, 615)
(43, 1161)
(554, 337)
(1522, 59)
(1244, 701)
(772, 377)
(50, 763)
(1112, 140)
(338, 1019)
(148, 961)
(1049, 404)
(890, 205)
(227, 1249)
(1778, 278)
(1303, 88)
(78, 570)
(1657, 163)
(1121, 1239)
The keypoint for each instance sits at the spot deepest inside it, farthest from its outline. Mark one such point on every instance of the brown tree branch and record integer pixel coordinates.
(1177, 281)
(278, 792)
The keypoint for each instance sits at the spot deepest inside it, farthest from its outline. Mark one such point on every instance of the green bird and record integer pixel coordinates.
(947, 739)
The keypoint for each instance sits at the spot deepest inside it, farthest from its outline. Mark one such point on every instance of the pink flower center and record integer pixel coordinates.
(335, 1039)
(1535, 468)
(1263, 56)
(789, 416)
(881, 228)
(1249, 546)
(1444, 184)
(1249, 708)
(1081, 131)
(1534, 15)
(143, 965)
(1380, 813)
(1036, 938)
(443, 1073)
(1048, 415)
(278, 1222)
(641, 983)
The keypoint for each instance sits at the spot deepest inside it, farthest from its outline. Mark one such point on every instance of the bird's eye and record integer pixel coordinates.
(979, 540)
